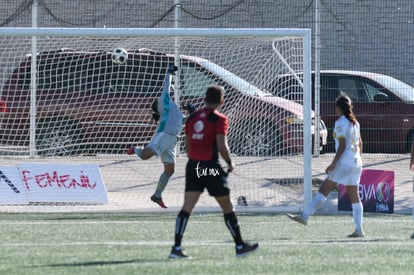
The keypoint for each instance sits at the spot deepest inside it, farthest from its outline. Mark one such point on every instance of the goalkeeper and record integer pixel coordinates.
(165, 138)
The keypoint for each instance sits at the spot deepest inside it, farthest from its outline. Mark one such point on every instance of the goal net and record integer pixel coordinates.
(71, 107)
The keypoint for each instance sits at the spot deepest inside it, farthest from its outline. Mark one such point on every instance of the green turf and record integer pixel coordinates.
(140, 244)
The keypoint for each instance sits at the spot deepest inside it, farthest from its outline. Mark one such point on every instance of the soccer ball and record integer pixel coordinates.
(119, 55)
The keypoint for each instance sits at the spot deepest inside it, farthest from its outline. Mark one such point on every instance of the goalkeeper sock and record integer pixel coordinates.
(180, 224)
(231, 222)
(357, 210)
(162, 183)
(317, 201)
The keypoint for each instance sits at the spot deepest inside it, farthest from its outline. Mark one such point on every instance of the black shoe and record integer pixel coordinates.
(246, 249)
(158, 201)
(177, 254)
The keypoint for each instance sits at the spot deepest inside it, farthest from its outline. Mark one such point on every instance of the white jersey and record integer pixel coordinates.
(345, 129)
(349, 167)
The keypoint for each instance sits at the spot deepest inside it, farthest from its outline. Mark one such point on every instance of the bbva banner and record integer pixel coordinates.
(44, 182)
(376, 191)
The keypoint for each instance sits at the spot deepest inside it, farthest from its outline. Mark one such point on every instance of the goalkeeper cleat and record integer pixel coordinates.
(158, 201)
(177, 254)
(131, 150)
(356, 234)
(298, 218)
(246, 249)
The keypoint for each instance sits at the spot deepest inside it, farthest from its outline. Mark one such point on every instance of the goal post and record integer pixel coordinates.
(69, 105)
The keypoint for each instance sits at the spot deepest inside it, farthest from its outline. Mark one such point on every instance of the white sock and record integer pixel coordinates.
(162, 183)
(357, 211)
(317, 201)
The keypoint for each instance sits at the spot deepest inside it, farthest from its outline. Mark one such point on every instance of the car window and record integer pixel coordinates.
(328, 89)
(353, 88)
(194, 81)
(371, 90)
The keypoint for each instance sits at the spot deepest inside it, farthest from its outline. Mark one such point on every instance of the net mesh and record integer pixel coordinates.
(90, 110)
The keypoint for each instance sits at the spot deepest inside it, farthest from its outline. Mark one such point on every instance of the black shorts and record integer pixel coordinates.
(206, 174)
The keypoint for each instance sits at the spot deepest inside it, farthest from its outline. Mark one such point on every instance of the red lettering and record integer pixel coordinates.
(86, 182)
(26, 179)
(61, 181)
(40, 178)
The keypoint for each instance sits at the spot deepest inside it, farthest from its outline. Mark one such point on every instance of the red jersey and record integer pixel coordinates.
(201, 129)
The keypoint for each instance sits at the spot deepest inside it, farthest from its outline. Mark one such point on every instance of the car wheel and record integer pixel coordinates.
(57, 137)
(255, 138)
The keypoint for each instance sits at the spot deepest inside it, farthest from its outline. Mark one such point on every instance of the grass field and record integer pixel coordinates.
(140, 244)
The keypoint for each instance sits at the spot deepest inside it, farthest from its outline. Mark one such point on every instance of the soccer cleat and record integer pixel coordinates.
(131, 150)
(246, 249)
(177, 254)
(356, 234)
(158, 201)
(298, 218)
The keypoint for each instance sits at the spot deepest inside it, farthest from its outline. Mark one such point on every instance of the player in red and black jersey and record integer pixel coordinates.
(206, 138)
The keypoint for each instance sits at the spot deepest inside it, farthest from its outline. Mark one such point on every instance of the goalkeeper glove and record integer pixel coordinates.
(172, 69)
(190, 108)
(156, 117)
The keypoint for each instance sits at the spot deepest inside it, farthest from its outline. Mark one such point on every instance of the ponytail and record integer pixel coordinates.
(344, 103)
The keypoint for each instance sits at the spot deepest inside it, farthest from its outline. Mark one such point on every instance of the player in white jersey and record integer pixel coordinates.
(345, 168)
(163, 143)
(412, 169)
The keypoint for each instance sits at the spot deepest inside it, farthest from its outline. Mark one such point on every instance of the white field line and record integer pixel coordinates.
(194, 220)
(341, 242)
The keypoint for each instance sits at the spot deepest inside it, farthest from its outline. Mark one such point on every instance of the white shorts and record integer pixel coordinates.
(346, 173)
(163, 146)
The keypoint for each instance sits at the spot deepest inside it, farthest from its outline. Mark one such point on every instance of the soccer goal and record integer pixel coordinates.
(74, 100)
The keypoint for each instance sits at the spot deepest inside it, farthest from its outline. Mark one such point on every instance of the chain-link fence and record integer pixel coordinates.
(367, 35)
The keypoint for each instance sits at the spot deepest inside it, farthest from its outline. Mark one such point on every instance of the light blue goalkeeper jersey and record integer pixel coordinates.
(171, 118)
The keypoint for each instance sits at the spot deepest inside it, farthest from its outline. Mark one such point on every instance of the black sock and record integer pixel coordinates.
(231, 222)
(180, 224)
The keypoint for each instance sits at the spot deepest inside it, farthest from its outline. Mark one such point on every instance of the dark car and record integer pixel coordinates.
(384, 106)
(85, 103)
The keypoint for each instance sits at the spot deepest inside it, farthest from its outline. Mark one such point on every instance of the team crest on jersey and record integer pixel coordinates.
(198, 127)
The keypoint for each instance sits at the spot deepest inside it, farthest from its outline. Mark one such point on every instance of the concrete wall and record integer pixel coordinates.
(369, 35)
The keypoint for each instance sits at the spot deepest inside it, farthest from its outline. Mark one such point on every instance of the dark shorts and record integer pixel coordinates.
(208, 175)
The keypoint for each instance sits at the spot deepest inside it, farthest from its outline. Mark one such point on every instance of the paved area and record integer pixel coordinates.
(264, 182)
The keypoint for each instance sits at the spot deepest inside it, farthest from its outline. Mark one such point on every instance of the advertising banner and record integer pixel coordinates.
(63, 183)
(11, 188)
(376, 191)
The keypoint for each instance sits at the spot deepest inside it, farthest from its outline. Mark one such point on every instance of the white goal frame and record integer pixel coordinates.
(305, 34)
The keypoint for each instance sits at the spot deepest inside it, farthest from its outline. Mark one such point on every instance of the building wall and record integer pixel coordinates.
(368, 35)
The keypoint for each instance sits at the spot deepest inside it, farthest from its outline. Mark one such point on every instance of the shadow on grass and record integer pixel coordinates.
(96, 263)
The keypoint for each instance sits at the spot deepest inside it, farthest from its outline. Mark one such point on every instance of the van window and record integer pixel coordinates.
(194, 82)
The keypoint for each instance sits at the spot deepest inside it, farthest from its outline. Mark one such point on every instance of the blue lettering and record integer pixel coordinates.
(9, 183)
